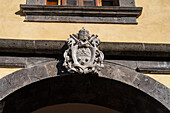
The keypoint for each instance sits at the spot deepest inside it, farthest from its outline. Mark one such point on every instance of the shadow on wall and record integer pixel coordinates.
(19, 13)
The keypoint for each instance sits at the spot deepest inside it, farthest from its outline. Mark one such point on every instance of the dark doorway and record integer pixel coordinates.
(85, 89)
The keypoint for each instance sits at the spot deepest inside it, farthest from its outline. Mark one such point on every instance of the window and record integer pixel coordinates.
(79, 2)
(81, 11)
(52, 2)
(110, 3)
(83, 2)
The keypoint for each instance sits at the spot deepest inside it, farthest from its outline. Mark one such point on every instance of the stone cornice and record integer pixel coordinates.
(109, 48)
(48, 13)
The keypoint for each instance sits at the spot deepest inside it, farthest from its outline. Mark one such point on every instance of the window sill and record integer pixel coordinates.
(107, 15)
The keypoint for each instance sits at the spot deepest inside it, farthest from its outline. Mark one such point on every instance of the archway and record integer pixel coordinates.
(116, 87)
(75, 108)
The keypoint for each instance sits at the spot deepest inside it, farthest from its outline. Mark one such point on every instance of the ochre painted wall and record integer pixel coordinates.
(7, 71)
(162, 78)
(154, 25)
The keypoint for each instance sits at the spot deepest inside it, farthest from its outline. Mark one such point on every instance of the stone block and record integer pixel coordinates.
(144, 82)
(108, 71)
(18, 46)
(52, 68)
(51, 47)
(3, 87)
(149, 64)
(37, 73)
(125, 74)
(125, 63)
(14, 81)
(31, 61)
(162, 93)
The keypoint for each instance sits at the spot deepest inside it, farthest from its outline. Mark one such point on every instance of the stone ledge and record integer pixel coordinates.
(22, 62)
(48, 13)
(157, 70)
(49, 47)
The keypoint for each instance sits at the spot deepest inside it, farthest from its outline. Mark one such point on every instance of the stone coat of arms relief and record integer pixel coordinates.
(83, 55)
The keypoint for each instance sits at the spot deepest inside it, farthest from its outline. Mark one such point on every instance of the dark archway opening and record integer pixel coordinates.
(87, 89)
(75, 108)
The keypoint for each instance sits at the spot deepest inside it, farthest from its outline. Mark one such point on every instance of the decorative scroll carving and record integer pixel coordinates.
(83, 55)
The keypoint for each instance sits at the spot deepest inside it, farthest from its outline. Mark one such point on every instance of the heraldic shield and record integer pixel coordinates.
(83, 55)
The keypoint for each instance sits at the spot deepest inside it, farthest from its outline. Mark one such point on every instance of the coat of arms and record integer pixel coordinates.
(83, 55)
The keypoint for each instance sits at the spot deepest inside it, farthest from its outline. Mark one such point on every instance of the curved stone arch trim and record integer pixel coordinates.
(21, 78)
(140, 81)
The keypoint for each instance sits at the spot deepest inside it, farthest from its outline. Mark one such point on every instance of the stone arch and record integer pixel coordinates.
(115, 77)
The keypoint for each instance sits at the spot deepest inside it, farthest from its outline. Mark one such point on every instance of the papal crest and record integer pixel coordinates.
(83, 55)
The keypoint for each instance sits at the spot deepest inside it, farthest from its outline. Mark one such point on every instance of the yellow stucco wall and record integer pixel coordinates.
(154, 25)
(162, 78)
(7, 71)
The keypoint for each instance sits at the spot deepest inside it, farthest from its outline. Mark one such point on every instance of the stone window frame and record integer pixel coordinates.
(38, 11)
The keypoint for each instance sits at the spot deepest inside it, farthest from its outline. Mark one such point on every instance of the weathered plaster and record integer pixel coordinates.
(153, 25)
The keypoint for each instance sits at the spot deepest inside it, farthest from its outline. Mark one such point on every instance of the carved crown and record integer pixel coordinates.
(83, 34)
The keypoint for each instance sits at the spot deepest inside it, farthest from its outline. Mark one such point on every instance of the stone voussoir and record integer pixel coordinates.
(36, 73)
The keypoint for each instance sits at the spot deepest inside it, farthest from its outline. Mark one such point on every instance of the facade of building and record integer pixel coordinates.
(103, 56)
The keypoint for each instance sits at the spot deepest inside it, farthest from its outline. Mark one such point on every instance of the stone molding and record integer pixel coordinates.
(108, 15)
(24, 77)
(22, 62)
(150, 67)
(51, 47)
(125, 13)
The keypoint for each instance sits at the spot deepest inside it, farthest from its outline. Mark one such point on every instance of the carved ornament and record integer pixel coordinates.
(83, 55)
